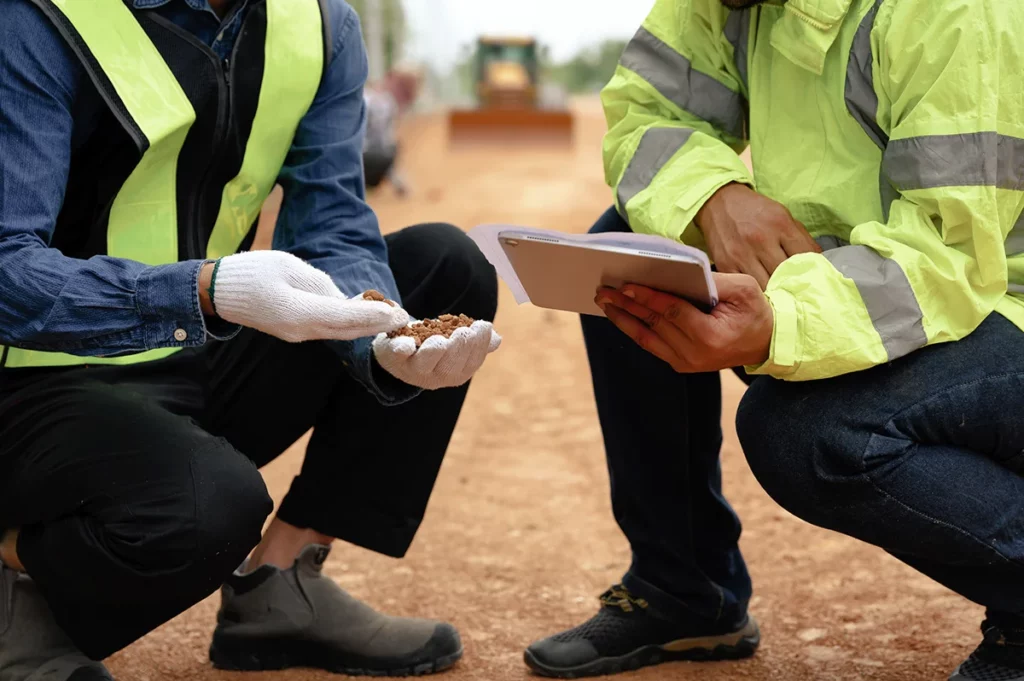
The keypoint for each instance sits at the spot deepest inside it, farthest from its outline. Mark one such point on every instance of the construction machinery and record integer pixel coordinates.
(510, 99)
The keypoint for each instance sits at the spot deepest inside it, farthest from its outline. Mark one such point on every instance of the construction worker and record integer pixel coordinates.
(139, 142)
(871, 279)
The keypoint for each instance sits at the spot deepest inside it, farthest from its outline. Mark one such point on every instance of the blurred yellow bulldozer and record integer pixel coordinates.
(510, 104)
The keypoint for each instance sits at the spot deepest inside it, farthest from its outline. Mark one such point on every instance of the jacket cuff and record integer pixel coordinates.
(783, 358)
(167, 298)
(357, 358)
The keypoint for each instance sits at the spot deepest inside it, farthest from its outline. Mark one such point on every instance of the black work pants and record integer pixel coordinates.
(666, 477)
(136, 489)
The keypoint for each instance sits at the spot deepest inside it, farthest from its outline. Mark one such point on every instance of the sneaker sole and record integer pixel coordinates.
(269, 656)
(959, 676)
(736, 646)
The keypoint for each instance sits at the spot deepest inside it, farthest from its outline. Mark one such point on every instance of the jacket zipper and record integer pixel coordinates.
(220, 139)
(196, 249)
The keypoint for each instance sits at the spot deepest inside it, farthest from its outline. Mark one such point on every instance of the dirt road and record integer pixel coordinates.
(520, 538)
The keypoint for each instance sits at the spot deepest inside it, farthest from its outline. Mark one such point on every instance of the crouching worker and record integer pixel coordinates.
(889, 403)
(129, 441)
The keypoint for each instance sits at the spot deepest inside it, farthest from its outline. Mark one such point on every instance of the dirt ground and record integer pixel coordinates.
(519, 538)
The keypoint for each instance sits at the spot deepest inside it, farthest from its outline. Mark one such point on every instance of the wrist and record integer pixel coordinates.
(206, 273)
(764, 334)
(708, 214)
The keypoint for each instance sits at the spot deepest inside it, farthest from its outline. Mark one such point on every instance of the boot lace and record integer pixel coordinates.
(620, 597)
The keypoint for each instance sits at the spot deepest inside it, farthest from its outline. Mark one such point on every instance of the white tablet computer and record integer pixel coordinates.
(564, 273)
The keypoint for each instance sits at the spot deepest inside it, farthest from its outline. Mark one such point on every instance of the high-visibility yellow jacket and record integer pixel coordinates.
(892, 129)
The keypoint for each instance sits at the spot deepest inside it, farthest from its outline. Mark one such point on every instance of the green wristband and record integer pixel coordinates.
(213, 285)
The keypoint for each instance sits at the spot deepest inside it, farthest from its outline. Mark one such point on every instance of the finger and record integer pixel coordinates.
(351, 319)
(473, 351)
(658, 322)
(771, 257)
(758, 272)
(402, 346)
(486, 330)
(482, 342)
(798, 240)
(641, 335)
(495, 342)
(429, 354)
(458, 353)
(678, 312)
(799, 243)
(737, 288)
(749, 264)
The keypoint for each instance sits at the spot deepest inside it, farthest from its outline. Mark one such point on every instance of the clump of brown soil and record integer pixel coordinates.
(445, 325)
(378, 297)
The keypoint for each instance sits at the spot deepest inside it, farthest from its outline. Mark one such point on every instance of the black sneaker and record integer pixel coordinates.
(1000, 657)
(625, 635)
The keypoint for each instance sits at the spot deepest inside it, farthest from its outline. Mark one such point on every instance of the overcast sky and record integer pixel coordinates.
(438, 28)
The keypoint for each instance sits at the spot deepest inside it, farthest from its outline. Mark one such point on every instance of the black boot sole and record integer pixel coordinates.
(265, 655)
(685, 650)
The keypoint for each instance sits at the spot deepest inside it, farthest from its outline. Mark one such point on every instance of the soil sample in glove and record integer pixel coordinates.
(378, 297)
(445, 325)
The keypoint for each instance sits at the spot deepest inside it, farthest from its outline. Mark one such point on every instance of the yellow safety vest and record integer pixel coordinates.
(156, 217)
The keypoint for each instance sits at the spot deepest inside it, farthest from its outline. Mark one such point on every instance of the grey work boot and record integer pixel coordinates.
(32, 646)
(273, 619)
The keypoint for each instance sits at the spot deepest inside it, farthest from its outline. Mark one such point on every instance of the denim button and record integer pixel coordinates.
(181, 335)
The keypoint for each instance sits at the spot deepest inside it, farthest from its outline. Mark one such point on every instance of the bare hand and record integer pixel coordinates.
(738, 332)
(748, 233)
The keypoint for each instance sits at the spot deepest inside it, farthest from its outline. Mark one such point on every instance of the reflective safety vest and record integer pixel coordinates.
(191, 146)
(892, 129)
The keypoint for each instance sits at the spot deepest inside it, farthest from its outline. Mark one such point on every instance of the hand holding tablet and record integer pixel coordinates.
(561, 271)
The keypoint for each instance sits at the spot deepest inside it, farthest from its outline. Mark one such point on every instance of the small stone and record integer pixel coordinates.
(377, 296)
(445, 326)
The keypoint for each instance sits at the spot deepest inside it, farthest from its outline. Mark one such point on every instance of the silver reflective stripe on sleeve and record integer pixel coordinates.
(887, 295)
(737, 32)
(861, 100)
(829, 242)
(977, 159)
(672, 75)
(656, 148)
(1015, 239)
(1015, 288)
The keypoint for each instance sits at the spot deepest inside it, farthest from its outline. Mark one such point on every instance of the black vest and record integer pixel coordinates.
(223, 93)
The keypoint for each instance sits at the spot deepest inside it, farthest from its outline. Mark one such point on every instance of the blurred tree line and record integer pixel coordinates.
(395, 28)
(588, 71)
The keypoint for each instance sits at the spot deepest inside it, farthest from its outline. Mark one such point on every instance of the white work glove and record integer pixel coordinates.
(286, 297)
(439, 362)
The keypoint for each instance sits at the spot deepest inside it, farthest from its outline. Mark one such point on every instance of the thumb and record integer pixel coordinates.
(356, 318)
(737, 289)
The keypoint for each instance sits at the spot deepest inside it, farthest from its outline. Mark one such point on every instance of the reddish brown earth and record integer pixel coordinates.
(519, 538)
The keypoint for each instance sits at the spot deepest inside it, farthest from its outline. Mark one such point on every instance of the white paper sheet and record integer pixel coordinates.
(486, 238)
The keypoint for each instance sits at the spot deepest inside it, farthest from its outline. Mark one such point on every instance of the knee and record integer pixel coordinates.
(459, 275)
(232, 505)
(756, 427)
(611, 221)
(199, 516)
(788, 452)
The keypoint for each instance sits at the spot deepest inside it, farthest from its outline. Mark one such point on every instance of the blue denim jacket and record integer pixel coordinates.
(107, 306)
